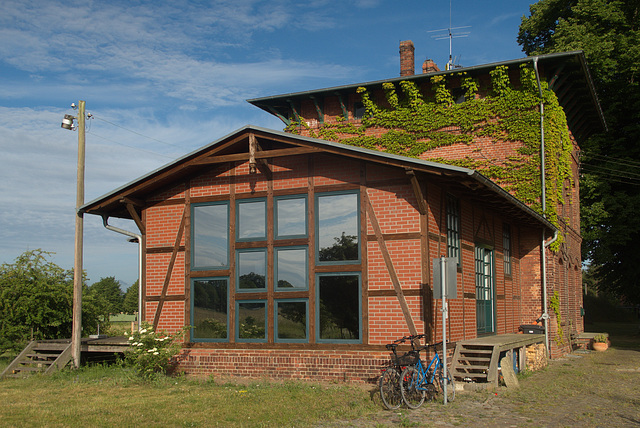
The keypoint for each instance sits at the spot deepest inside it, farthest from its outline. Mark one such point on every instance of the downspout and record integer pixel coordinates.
(105, 222)
(543, 197)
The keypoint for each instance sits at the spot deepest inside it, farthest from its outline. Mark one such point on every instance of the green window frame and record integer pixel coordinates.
(338, 307)
(290, 214)
(506, 248)
(251, 270)
(291, 320)
(453, 228)
(251, 326)
(291, 268)
(210, 309)
(337, 227)
(251, 219)
(210, 236)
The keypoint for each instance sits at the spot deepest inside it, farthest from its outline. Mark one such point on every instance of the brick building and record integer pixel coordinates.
(298, 257)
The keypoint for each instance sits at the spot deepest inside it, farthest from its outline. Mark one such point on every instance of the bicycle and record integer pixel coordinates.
(389, 383)
(416, 381)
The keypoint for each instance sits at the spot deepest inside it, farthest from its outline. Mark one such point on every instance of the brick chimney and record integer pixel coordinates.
(407, 59)
(429, 66)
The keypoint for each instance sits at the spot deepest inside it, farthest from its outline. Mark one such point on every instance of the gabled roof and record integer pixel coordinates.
(235, 147)
(567, 73)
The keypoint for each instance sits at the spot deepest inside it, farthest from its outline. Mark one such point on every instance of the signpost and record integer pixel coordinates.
(445, 271)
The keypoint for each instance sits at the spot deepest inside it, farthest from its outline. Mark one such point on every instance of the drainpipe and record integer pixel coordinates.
(138, 238)
(543, 197)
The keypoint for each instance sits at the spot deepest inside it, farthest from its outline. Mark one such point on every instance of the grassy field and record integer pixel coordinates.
(574, 390)
(112, 396)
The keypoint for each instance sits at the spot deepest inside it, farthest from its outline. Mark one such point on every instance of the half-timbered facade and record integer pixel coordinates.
(294, 257)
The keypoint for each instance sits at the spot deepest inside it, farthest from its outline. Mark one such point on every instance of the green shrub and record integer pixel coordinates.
(151, 352)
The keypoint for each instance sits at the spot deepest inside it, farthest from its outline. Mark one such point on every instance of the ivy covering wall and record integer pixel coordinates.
(415, 124)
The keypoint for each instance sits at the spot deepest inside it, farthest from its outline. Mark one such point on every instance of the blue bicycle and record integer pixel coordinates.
(417, 381)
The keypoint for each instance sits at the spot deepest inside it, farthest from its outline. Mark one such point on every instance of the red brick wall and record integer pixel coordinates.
(522, 302)
(395, 207)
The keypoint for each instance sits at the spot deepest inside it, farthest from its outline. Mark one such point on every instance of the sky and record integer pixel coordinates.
(164, 78)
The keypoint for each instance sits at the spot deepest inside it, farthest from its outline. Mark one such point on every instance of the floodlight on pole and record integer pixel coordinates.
(76, 333)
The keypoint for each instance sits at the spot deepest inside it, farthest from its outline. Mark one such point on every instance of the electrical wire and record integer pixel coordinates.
(134, 132)
(131, 147)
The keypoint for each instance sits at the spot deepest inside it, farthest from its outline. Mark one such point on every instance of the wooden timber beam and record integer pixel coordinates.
(390, 268)
(134, 214)
(258, 155)
(167, 278)
(417, 191)
(254, 162)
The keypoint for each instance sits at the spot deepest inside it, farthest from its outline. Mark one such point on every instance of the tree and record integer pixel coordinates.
(108, 294)
(608, 31)
(36, 301)
(130, 302)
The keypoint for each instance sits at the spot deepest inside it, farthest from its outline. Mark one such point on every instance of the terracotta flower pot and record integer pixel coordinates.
(600, 346)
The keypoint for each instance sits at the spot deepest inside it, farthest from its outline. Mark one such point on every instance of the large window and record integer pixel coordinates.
(338, 227)
(210, 236)
(453, 228)
(262, 291)
(338, 307)
(209, 316)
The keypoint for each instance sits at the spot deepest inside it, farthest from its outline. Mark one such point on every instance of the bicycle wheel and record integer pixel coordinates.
(412, 388)
(451, 386)
(390, 388)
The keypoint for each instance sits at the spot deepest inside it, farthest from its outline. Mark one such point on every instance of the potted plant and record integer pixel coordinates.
(600, 342)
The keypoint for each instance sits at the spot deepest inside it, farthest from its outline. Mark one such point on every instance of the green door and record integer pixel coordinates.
(484, 290)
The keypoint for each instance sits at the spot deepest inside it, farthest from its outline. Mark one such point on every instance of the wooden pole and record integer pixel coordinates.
(76, 334)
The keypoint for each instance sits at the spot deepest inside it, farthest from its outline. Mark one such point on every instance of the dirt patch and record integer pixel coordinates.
(584, 388)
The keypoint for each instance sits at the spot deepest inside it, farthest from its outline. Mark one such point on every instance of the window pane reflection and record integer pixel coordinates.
(338, 227)
(339, 307)
(252, 321)
(210, 309)
(210, 236)
(252, 219)
(292, 320)
(252, 269)
(291, 268)
(291, 217)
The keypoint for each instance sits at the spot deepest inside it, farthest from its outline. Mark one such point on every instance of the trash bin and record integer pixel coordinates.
(531, 329)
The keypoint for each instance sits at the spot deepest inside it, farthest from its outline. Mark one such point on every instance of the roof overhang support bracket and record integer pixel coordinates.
(294, 110)
(280, 116)
(130, 205)
(255, 162)
(317, 103)
(417, 191)
(345, 112)
(556, 76)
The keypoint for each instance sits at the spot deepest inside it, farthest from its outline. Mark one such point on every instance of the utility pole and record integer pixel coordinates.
(76, 335)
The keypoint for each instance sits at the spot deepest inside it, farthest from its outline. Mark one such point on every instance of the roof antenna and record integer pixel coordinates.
(450, 35)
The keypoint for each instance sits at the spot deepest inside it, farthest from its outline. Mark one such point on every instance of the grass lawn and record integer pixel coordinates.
(572, 391)
(112, 396)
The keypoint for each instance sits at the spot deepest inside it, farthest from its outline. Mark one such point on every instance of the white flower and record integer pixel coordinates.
(143, 331)
(134, 344)
(140, 344)
(155, 353)
(131, 338)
